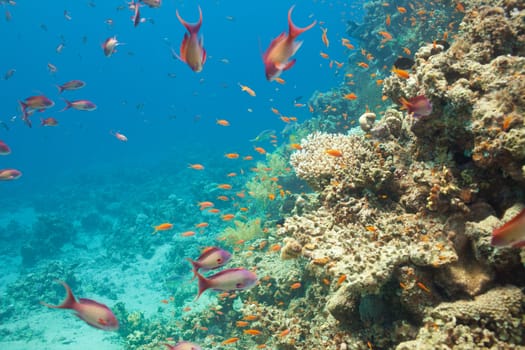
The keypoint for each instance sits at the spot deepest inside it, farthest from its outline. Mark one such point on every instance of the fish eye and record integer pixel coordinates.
(219, 260)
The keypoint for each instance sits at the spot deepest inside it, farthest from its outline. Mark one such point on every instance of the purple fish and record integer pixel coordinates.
(211, 258)
(9, 174)
(419, 106)
(183, 345)
(227, 280)
(81, 105)
(71, 85)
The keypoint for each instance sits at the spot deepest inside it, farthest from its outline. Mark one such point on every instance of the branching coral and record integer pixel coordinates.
(354, 162)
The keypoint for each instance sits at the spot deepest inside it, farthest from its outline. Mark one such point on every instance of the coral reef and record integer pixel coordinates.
(50, 233)
(403, 257)
(320, 169)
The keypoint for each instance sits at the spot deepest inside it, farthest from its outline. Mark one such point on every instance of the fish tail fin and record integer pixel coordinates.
(68, 303)
(68, 105)
(293, 30)
(195, 267)
(405, 104)
(23, 106)
(512, 231)
(204, 284)
(60, 89)
(191, 27)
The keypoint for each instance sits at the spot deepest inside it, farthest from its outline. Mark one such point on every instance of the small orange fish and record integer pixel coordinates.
(401, 9)
(334, 152)
(250, 317)
(324, 55)
(363, 65)
(202, 225)
(401, 73)
(204, 205)
(260, 150)
(188, 234)
(341, 279)
(279, 80)
(223, 122)
(247, 89)
(230, 341)
(423, 287)
(223, 198)
(271, 196)
(407, 51)
(224, 186)
(284, 333)
(387, 20)
(248, 158)
(296, 146)
(196, 166)
(326, 42)
(351, 96)
(227, 217)
(242, 323)
(275, 248)
(296, 285)
(386, 35)
(232, 155)
(252, 331)
(162, 227)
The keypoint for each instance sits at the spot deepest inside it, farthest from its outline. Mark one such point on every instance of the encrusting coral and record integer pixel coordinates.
(399, 245)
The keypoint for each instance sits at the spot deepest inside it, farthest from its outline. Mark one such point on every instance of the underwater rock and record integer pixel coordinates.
(492, 320)
(291, 250)
(50, 233)
(366, 121)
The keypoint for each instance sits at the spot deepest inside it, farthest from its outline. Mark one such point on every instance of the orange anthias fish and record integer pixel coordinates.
(277, 57)
(162, 227)
(511, 234)
(192, 51)
(93, 313)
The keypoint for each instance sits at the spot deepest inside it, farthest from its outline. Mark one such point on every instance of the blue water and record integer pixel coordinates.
(165, 118)
(98, 187)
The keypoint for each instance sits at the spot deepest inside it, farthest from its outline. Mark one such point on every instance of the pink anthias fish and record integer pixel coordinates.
(110, 46)
(80, 105)
(512, 233)
(136, 19)
(50, 121)
(192, 51)
(9, 174)
(93, 313)
(4, 149)
(210, 259)
(152, 3)
(71, 85)
(32, 104)
(419, 106)
(183, 345)
(277, 57)
(227, 280)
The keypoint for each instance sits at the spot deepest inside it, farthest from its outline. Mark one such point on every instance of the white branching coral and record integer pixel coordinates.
(343, 158)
